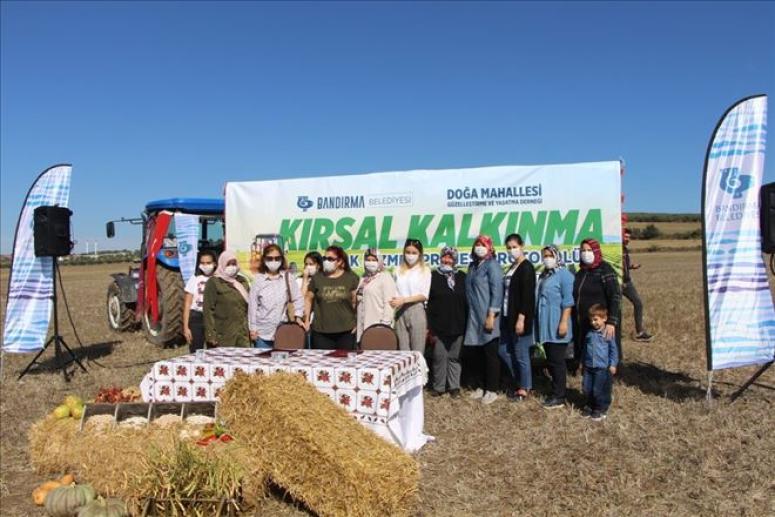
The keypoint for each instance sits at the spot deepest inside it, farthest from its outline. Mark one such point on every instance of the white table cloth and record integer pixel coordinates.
(381, 389)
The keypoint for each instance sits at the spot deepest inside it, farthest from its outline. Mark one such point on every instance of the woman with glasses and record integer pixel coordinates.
(484, 290)
(374, 293)
(331, 296)
(413, 281)
(272, 290)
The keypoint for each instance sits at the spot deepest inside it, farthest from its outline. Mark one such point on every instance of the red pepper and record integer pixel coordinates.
(207, 441)
(225, 438)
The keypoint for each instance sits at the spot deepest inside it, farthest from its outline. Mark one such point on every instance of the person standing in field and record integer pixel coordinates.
(225, 311)
(272, 290)
(519, 284)
(331, 296)
(484, 292)
(629, 291)
(601, 356)
(193, 301)
(413, 282)
(554, 330)
(595, 283)
(375, 291)
(313, 263)
(447, 313)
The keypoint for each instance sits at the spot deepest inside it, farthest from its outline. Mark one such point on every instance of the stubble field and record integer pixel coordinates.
(662, 451)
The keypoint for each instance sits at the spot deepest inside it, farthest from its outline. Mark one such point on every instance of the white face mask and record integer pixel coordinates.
(480, 251)
(207, 269)
(587, 257)
(515, 252)
(231, 271)
(311, 270)
(371, 266)
(550, 262)
(329, 266)
(273, 266)
(411, 258)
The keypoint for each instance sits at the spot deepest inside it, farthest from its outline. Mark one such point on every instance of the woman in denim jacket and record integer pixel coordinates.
(554, 330)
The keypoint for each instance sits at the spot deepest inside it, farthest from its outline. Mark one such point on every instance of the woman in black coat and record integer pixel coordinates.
(519, 287)
(595, 283)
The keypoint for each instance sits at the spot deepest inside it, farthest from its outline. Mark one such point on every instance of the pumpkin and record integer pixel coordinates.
(66, 500)
(73, 401)
(104, 508)
(67, 479)
(40, 493)
(61, 412)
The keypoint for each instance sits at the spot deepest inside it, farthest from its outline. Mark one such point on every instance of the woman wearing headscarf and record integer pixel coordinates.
(519, 285)
(447, 313)
(553, 320)
(484, 292)
(595, 283)
(226, 305)
(374, 293)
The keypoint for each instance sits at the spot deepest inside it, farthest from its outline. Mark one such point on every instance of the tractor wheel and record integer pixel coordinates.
(169, 327)
(120, 316)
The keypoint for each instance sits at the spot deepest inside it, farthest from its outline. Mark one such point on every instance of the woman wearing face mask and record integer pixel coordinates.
(447, 313)
(226, 305)
(193, 302)
(413, 281)
(519, 284)
(374, 293)
(313, 262)
(484, 290)
(331, 296)
(272, 290)
(596, 282)
(554, 304)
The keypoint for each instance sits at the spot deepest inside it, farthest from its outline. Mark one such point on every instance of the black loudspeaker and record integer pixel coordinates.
(51, 228)
(767, 217)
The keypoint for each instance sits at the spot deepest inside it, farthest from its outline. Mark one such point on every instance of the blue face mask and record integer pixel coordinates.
(446, 269)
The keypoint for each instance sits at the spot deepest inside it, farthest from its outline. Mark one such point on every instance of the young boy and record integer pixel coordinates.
(600, 359)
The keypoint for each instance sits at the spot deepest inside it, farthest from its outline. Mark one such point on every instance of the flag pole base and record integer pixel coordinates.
(750, 381)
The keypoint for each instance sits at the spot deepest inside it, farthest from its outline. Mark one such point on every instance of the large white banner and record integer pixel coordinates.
(545, 204)
(741, 318)
(31, 284)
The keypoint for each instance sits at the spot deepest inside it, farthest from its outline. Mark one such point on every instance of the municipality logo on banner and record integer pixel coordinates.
(304, 202)
(741, 317)
(732, 182)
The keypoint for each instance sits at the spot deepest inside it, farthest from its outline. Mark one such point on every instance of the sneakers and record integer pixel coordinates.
(454, 393)
(489, 397)
(553, 403)
(586, 412)
(643, 337)
(598, 416)
(477, 393)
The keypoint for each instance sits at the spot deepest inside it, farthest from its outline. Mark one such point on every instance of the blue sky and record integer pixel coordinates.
(151, 100)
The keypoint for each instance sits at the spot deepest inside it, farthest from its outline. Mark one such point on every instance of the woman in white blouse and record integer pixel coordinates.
(413, 281)
(375, 291)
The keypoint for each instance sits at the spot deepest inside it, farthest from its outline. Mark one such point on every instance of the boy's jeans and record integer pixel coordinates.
(597, 385)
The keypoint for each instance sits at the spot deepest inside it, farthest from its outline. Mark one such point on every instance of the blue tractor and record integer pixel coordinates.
(150, 294)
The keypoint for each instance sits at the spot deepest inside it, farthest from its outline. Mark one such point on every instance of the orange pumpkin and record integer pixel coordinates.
(40, 493)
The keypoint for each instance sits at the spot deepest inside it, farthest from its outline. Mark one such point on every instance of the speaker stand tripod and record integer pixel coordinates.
(59, 342)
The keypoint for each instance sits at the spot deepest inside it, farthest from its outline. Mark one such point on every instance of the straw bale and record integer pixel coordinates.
(316, 451)
(50, 442)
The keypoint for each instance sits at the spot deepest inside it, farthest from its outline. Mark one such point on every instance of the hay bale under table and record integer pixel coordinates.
(315, 450)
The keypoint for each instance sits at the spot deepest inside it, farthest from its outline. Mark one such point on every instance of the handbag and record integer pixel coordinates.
(290, 308)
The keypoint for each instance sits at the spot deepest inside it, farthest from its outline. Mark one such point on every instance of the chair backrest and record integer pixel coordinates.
(290, 336)
(379, 337)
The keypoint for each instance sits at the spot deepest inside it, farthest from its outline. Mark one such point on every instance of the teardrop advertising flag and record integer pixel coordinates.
(740, 325)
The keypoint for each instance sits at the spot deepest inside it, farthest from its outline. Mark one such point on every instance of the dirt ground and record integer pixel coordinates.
(662, 451)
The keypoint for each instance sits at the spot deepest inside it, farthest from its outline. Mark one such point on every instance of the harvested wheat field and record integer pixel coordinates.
(662, 451)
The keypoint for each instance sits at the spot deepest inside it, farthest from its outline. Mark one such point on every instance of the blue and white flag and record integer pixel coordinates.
(31, 284)
(741, 319)
(187, 233)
